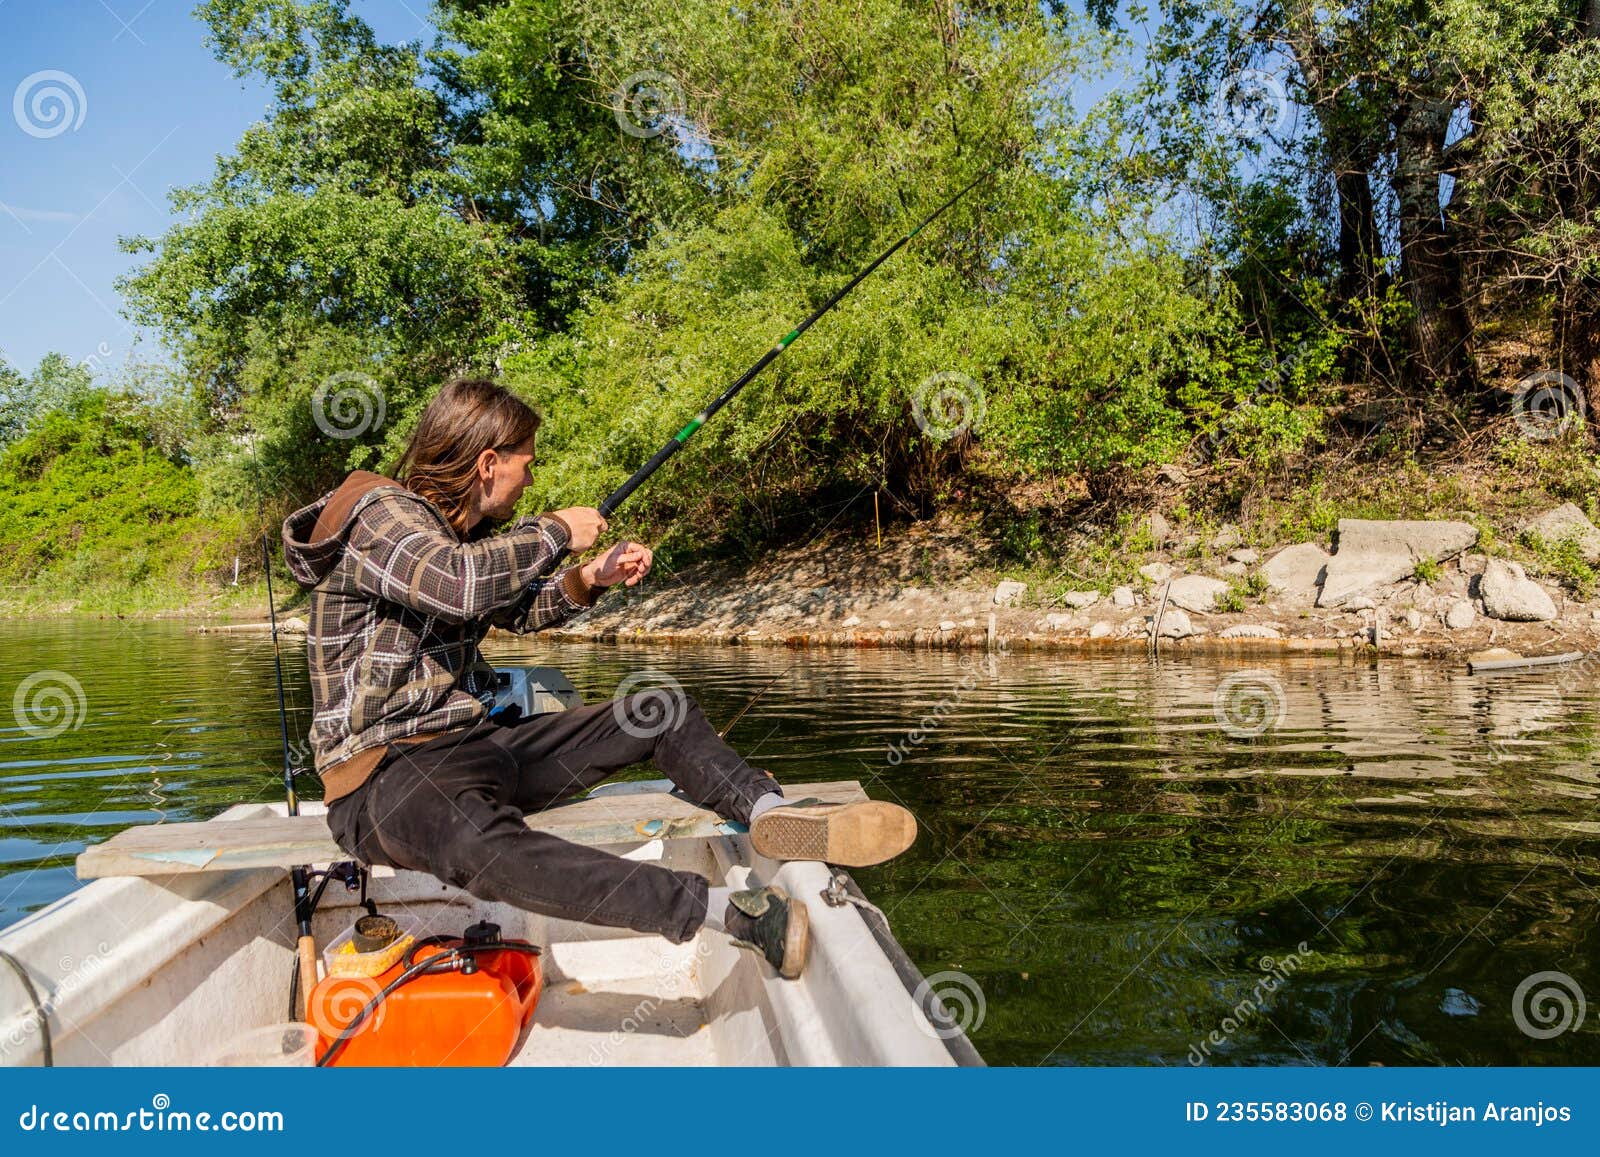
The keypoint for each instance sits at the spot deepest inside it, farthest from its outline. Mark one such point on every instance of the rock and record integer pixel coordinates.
(1414, 619)
(1296, 570)
(1123, 597)
(1056, 622)
(852, 621)
(1175, 624)
(1160, 530)
(1360, 603)
(1173, 475)
(1100, 630)
(784, 611)
(1245, 555)
(1373, 553)
(1009, 593)
(1473, 563)
(1226, 538)
(884, 624)
(1460, 616)
(1189, 544)
(1563, 523)
(1509, 594)
(1156, 572)
(1594, 614)
(1250, 631)
(1236, 569)
(1492, 655)
(947, 625)
(1196, 592)
(294, 625)
(969, 622)
(1079, 600)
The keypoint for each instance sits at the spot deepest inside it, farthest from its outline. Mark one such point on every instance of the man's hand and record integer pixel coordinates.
(625, 563)
(585, 523)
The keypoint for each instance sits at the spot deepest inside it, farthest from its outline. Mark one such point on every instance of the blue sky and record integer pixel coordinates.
(155, 111)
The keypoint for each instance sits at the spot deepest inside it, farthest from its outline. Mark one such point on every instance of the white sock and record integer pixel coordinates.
(716, 908)
(766, 803)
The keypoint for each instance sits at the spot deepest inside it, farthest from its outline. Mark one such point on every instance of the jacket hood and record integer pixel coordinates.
(313, 536)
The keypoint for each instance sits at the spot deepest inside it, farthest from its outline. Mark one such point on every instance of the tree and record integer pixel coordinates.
(57, 384)
(1535, 181)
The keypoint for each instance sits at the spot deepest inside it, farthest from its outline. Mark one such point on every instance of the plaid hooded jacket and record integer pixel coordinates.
(399, 605)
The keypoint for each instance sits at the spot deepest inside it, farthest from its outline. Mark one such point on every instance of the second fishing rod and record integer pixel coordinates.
(617, 497)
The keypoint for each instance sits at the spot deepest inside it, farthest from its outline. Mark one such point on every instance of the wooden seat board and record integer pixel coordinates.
(284, 841)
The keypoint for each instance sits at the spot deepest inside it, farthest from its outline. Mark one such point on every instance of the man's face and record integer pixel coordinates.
(510, 473)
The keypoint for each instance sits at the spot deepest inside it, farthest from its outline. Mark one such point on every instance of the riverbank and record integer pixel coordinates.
(1434, 588)
(1404, 588)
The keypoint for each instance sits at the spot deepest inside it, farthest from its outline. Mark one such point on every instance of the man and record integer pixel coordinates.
(406, 578)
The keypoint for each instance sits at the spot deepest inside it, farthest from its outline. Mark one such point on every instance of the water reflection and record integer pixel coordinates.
(1110, 849)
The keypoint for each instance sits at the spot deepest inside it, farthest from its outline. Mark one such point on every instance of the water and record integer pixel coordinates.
(1106, 874)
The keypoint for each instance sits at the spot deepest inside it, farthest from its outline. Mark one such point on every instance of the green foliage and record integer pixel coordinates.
(1565, 560)
(55, 384)
(1427, 571)
(1232, 600)
(93, 504)
(1022, 537)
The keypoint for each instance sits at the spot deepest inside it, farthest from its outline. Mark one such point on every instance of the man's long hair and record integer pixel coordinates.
(466, 417)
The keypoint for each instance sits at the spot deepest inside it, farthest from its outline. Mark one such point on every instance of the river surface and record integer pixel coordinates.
(1219, 862)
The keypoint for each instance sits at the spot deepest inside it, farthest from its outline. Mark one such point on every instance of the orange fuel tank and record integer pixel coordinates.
(458, 1018)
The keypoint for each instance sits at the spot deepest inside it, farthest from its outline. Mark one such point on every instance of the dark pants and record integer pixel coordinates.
(454, 807)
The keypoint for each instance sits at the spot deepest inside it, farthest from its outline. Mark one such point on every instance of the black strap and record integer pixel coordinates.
(38, 1008)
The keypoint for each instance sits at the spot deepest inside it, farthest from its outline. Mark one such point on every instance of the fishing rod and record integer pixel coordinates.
(305, 944)
(618, 496)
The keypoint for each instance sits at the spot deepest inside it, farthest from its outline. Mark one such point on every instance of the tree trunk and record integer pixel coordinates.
(1577, 309)
(1350, 158)
(1577, 326)
(1429, 265)
(1358, 231)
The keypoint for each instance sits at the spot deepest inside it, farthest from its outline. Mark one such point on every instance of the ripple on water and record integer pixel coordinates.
(1109, 849)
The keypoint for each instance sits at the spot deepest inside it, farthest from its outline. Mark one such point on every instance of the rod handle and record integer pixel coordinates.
(306, 950)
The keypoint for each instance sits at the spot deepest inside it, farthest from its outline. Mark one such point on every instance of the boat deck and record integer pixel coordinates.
(143, 971)
(648, 1019)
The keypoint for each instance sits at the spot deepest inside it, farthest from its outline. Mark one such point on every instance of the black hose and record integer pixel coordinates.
(440, 962)
(38, 1008)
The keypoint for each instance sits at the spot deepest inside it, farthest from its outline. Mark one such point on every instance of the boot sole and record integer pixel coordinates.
(796, 941)
(852, 836)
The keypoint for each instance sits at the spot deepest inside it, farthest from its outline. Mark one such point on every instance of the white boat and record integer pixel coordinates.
(168, 966)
